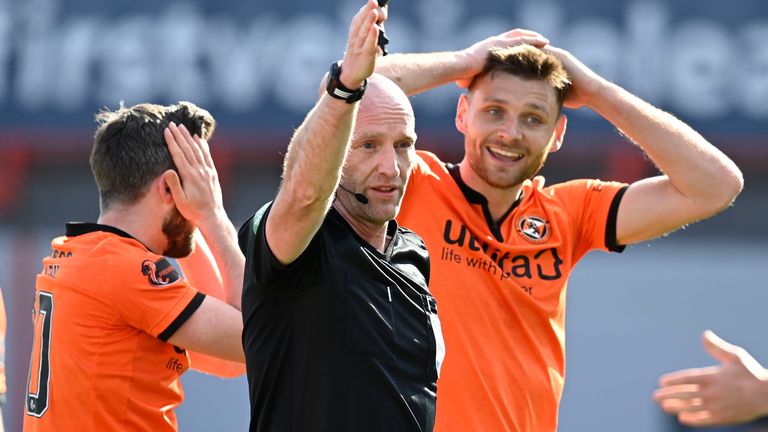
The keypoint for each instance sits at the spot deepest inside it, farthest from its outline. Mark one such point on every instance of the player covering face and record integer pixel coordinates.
(114, 321)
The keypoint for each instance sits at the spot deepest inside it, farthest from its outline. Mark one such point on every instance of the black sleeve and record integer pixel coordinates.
(262, 268)
(611, 242)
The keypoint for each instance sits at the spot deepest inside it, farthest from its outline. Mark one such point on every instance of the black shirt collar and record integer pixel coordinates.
(75, 229)
(474, 197)
(391, 233)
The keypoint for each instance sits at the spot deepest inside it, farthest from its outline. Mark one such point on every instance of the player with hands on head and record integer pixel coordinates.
(113, 318)
(736, 391)
(498, 229)
(340, 330)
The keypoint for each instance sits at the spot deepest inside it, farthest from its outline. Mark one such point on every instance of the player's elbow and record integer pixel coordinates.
(728, 185)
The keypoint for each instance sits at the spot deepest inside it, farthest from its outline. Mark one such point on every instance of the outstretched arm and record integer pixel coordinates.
(699, 180)
(734, 392)
(313, 162)
(415, 73)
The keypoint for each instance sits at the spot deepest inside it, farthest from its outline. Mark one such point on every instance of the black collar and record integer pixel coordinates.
(474, 197)
(75, 229)
(391, 233)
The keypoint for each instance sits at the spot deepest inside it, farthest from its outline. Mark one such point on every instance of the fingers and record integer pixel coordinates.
(187, 150)
(383, 12)
(522, 36)
(518, 37)
(720, 349)
(184, 153)
(370, 43)
(685, 391)
(206, 150)
(364, 17)
(367, 27)
(679, 406)
(697, 376)
(177, 152)
(362, 46)
(698, 418)
(191, 149)
(538, 42)
(522, 32)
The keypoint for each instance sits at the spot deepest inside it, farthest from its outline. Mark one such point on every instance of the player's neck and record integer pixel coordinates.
(138, 223)
(499, 199)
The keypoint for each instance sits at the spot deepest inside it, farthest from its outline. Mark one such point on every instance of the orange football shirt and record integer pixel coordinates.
(501, 291)
(104, 306)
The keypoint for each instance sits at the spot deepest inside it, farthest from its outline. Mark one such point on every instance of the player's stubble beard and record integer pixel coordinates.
(179, 235)
(506, 180)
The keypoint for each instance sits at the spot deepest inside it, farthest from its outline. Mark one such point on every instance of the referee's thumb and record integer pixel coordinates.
(719, 348)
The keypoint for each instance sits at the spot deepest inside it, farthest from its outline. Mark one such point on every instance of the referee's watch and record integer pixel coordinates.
(337, 90)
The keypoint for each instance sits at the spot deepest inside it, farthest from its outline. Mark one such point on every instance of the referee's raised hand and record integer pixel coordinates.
(362, 45)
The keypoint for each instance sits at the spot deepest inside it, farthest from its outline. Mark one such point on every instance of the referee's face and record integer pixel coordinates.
(380, 156)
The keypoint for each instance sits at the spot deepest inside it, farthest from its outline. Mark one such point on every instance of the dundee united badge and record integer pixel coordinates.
(533, 228)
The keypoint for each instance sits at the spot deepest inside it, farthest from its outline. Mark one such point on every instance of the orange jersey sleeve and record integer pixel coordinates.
(501, 287)
(150, 295)
(592, 205)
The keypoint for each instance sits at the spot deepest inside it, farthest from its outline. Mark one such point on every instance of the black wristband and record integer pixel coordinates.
(337, 90)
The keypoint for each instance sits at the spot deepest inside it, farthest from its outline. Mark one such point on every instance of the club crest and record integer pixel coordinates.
(534, 229)
(160, 272)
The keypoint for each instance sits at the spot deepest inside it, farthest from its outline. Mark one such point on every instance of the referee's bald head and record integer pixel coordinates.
(384, 98)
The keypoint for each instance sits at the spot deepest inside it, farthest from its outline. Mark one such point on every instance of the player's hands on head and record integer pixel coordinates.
(734, 392)
(474, 56)
(195, 188)
(362, 47)
(586, 85)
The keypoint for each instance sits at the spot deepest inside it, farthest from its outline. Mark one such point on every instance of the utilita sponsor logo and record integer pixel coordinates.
(544, 264)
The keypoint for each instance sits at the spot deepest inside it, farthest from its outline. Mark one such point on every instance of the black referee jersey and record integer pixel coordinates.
(345, 338)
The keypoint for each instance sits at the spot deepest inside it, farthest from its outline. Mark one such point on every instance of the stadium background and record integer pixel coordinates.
(256, 65)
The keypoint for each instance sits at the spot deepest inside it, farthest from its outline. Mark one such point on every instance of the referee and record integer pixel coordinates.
(340, 330)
